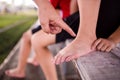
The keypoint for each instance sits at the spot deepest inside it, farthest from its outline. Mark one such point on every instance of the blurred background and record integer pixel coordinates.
(16, 16)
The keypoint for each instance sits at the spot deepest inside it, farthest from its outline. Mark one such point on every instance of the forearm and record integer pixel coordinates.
(115, 37)
(40, 3)
(73, 6)
(44, 5)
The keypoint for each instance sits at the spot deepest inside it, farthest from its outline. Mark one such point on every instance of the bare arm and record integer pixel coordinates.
(73, 6)
(50, 21)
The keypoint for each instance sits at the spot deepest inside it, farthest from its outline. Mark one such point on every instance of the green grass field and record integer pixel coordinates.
(8, 19)
(9, 38)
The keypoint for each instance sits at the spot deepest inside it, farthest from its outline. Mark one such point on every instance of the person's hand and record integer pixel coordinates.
(51, 22)
(105, 45)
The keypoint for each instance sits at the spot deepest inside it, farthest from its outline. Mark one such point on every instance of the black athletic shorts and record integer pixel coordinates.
(109, 18)
(108, 21)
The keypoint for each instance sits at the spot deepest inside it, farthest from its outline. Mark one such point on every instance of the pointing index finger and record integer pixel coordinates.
(64, 26)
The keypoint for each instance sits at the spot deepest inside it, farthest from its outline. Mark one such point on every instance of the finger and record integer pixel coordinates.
(100, 45)
(55, 30)
(108, 49)
(45, 27)
(58, 29)
(95, 43)
(64, 26)
(104, 47)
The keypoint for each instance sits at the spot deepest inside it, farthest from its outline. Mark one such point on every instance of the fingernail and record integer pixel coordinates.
(74, 35)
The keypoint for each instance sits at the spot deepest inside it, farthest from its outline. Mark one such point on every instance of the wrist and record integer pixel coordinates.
(41, 3)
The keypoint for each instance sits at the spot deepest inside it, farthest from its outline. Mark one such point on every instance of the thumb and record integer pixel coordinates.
(45, 27)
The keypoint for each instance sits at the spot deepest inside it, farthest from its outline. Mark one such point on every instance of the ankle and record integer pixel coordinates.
(87, 39)
(86, 35)
(19, 70)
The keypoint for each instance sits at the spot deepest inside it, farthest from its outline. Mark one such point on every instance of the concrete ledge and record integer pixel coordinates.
(99, 65)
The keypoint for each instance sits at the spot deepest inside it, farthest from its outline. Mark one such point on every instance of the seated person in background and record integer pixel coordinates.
(43, 54)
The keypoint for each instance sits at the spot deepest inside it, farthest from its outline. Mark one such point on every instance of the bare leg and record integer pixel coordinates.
(33, 60)
(73, 9)
(40, 41)
(73, 6)
(81, 45)
(25, 47)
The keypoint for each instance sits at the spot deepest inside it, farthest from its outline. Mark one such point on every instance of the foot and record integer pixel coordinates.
(74, 50)
(15, 73)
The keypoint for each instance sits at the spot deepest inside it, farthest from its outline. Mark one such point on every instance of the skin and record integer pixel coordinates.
(40, 45)
(106, 45)
(39, 42)
(51, 23)
(73, 7)
(24, 50)
(81, 45)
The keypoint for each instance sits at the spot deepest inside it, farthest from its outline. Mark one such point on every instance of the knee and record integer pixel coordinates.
(34, 42)
(26, 37)
(37, 42)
